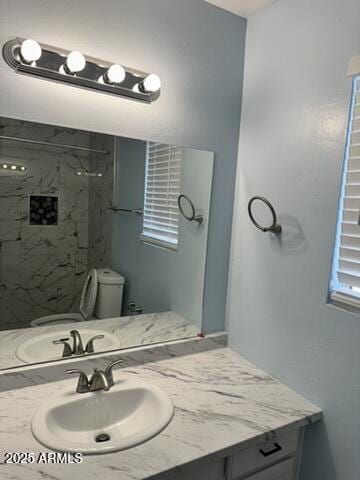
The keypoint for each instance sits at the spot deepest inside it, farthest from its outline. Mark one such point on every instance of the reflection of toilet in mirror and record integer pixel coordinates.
(101, 298)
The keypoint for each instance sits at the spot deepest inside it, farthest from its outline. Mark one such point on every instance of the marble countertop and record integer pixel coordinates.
(131, 331)
(222, 403)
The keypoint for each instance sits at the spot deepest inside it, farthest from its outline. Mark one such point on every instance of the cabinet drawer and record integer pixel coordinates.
(280, 471)
(211, 471)
(264, 454)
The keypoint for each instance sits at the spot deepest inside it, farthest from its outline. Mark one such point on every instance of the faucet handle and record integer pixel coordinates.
(99, 381)
(90, 344)
(108, 370)
(67, 352)
(83, 383)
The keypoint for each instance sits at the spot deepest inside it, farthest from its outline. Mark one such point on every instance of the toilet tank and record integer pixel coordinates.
(109, 294)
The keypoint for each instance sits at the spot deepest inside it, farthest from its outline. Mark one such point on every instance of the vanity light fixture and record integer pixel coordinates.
(28, 57)
(12, 167)
(88, 174)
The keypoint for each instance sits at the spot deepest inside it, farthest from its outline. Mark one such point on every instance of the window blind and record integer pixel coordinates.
(347, 250)
(162, 188)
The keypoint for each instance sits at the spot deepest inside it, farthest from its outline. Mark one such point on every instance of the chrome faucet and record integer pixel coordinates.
(77, 348)
(99, 380)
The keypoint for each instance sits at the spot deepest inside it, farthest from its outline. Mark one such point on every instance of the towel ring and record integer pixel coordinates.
(193, 217)
(274, 227)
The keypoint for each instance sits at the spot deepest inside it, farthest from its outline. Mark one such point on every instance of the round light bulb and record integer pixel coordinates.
(115, 74)
(75, 62)
(22, 168)
(151, 83)
(13, 167)
(30, 51)
(5, 166)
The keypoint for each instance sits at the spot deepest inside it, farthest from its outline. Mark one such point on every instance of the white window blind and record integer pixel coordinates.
(346, 268)
(162, 188)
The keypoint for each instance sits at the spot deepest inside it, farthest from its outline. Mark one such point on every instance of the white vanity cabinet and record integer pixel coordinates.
(272, 460)
(280, 471)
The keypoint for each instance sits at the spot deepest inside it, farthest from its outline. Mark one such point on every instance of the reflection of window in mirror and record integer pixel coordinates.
(162, 188)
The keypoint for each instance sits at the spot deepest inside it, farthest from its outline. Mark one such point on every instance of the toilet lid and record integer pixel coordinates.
(57, 319)
(88, 296)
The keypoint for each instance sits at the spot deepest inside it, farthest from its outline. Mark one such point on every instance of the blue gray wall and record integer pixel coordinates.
(196, 48)
(156, 278)
(295, 108)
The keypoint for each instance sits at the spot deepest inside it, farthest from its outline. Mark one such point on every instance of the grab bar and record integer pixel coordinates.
(137, 211)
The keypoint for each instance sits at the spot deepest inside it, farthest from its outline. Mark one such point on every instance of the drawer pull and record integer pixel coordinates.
(277, 448)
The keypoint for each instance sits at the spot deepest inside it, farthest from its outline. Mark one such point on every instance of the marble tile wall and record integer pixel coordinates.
(100, 199)
(42, 268)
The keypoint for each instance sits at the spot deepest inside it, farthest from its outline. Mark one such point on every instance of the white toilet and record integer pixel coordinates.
(101, 298)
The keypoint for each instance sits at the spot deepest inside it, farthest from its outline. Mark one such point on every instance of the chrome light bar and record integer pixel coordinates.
(29, 57)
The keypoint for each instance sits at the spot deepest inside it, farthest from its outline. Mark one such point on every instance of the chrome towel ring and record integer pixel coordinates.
(193, 217)
(274, 227)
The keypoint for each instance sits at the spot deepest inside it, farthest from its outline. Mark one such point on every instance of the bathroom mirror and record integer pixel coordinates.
(94, 252)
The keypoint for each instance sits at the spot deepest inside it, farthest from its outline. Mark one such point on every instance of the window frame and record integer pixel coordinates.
(347, 297)
(151, 238)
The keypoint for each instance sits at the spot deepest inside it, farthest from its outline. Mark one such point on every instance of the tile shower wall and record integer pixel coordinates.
(100, 200)
(42, 268)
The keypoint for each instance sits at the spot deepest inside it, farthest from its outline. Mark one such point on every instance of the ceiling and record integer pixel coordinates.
(244, 8)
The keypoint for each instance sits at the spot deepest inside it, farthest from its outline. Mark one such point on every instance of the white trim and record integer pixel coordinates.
(345, 280)
(299, 452)
(344, 300)
(354, 66)
(158, 243)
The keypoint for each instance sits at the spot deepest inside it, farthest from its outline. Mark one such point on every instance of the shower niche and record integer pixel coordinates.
(43, 210)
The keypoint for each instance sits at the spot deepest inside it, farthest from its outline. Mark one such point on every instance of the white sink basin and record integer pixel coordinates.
(130, 413)
(40, 348)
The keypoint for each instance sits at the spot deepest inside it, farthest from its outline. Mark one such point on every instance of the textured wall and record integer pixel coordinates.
(296, 99)
(101, 192)
(156, 278)
(195, 47)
